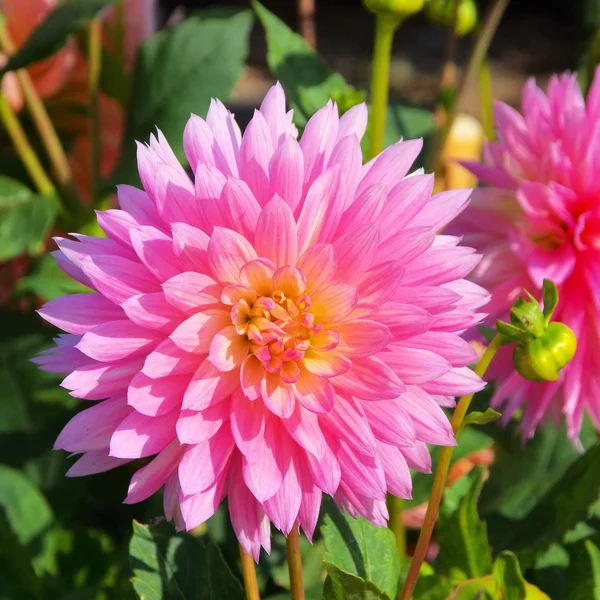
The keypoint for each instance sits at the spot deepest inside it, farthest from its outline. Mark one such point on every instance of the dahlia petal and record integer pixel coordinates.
(453, 348)
(415, 365)
(315, 393)
(334, 302)
(440, 265)
(248, 421)
(152, 311)
(442, 208)
(209, 183)
(319, 265)
(190, 292)
(405, 245)
(366, 208)
(290, 280)
(303, 428)
(203, 463)
(258, 274)
(380, 283)
(347, 155)
(354, 121)
(95, 461)
(167, 359)
(362, 337)
(149, 479)
(417, 457)
(283, 506)
(347, 420)
(457, 382)
(397, 475)
(403, 320)
(96, 381)
(286, 172)
(190, 245)
(174, 196)
(119, 278)
(273, 110)
(78, 313)
(276, 235)
(208, 386)
(322, 209)
(156, 397)
(117, 225)
(326, 364)
(370, 379)
(355, 252)
(251, 374)
(155, 250)
(198, 143)
(387, 424)
(431, 424)
(556, 264)
(228, 349)
(326, 471)
(198, 508)
(116, 340)
(227, 136)
(429, 298)
(362, 474)
(92, 428)
(228, 252)
(256, 151)
(138, 204)
(240, 209)
(308, 515)
(138, 435)
(194, 427)
(278, 396)
(195, 333)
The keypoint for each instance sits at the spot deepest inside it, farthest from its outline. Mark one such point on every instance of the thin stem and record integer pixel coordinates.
(306, 21)
(94, 68)
(441, 474)
(24, 150)
(395, 506)
(294, 558)
(486, 33)
(486, 100)
(385, 26)
(249, 576)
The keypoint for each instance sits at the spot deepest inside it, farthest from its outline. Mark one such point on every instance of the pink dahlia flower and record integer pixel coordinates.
(540, 218)
(285, 325)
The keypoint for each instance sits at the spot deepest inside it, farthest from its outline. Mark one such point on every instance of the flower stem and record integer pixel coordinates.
(395, 506)
(94, 67)
(484, 39)
(486, 100)
(46, 130)
(24, 150)
(249, 575)
(441, 474)
(306, 21)
(294, 558)
(385, 27)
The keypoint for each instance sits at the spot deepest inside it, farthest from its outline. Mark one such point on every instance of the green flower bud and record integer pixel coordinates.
(543, 348)
(441, 13)
(543, 358)
(402, 8)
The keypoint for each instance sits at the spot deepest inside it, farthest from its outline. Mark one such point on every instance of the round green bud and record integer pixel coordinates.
(403, 8)
(441, 13)
(541, 359)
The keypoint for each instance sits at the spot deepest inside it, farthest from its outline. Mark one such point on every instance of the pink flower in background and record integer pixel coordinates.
(285, 325)
(540, 218)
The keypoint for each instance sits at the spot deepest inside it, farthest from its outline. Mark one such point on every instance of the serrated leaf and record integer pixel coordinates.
(583, 573)
(170, 566)
(52, 33)
(477, 417)
(178, 72)
(565, 504)
(462, 535)
(308, 81)
(25, 219)
(361, 555)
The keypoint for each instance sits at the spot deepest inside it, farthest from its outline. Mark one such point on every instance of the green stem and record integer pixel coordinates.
(94, 68)
(24, 150)
(385, 26)
(294, 559)
(249, 576)
(395, 506)
(441, 474)
(486, 100)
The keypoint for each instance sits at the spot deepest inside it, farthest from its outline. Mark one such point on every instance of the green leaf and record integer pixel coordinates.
(477, 417)
(178, 71)
(47, 281)
(52, 33)
(462, 535)
(550, 295)
(565, 504)
(583, 573)
(360, 558)
(167, 566)
(29, 516)
(25, 219)
(509, 578)
(522, 473)
(308, 81)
